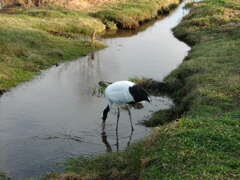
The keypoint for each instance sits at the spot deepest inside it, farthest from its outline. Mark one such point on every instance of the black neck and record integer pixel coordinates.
(138, 93)
(105, 113)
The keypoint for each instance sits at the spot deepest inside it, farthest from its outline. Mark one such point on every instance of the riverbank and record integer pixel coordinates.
(36, 38)
(202, 141)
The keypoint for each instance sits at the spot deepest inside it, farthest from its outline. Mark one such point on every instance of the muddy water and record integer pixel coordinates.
(56, 115)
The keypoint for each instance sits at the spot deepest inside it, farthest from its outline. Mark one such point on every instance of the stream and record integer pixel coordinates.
(56, 115)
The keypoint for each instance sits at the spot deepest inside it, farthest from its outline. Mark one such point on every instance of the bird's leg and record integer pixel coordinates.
(117, 142)
(130, 118)
(130, 139)
(105, 113)
(118, 116)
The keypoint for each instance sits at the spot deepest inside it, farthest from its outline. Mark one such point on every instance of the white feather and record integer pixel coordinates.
(118, 92)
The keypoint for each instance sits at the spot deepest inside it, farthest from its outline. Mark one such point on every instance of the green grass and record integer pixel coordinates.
(202, 142)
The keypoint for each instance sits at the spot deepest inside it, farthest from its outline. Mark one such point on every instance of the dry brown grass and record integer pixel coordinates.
(89, 5)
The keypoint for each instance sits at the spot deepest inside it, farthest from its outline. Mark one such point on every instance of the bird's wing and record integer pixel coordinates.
(119, 92)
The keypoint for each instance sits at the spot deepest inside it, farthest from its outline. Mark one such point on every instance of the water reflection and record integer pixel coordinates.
(108, 145)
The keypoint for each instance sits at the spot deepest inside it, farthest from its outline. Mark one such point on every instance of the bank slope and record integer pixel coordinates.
(204, 142)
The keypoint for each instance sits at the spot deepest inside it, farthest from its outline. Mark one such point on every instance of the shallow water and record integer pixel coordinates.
(56, 116)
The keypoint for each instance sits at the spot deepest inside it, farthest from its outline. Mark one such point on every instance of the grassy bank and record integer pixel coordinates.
(203, 142)
(131, 14)
(37, 38)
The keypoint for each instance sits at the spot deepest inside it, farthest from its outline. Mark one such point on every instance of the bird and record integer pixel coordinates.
(123, 93)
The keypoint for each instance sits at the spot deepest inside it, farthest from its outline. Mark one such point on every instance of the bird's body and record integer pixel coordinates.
(118, 93)
(122, 93)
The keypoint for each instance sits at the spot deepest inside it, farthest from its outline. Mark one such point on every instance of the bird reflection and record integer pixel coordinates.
(91, 56)
(108, 145)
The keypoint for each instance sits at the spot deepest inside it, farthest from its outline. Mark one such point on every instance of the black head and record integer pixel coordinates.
(139, 94)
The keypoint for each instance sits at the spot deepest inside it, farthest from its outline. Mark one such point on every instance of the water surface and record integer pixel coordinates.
(56, 116)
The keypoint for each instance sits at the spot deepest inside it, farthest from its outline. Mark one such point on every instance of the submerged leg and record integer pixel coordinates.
(130, 139)
(118, 116)
(130, 118)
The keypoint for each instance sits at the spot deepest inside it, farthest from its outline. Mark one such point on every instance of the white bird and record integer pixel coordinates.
(123, 93)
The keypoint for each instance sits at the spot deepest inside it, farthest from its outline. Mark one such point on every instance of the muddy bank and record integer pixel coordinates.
(2, 91)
